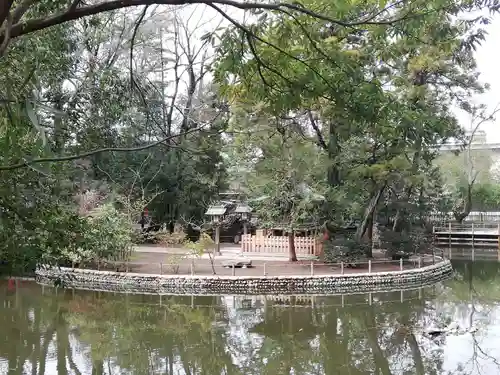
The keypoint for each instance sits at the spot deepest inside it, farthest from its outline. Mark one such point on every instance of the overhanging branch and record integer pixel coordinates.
(27, 163)
(73, 13)
(5, 10)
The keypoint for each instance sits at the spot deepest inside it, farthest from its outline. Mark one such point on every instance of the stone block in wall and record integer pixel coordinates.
(178, 284)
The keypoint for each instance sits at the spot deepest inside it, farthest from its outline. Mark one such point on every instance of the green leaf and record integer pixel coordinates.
(34, 121)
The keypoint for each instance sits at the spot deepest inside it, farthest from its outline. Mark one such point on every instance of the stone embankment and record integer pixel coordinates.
(187, 284)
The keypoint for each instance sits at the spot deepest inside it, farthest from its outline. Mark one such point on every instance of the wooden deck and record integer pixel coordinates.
(470, 234)
(472, 253)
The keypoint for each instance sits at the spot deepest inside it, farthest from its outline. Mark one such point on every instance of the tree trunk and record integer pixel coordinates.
(98, 367)
(414, 347)
(59, 131)
(416, 354)
(36, 342)
(369, 235)
(61, 352)
(379, 356)
(5, 10)
(409, 189)
(47, 338)
(292, 255)
(369, 214)
(398, 219)
(460, 215)
(333, 151)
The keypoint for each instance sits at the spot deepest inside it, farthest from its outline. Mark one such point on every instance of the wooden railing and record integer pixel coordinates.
(467, 234)
(279, 244)
(493, 228)
(474, 216)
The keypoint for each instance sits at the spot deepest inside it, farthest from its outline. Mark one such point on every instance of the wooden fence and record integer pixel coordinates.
(467, 228)
(279, 244)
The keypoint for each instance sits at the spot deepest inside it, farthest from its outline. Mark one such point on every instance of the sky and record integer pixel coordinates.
(488, 60)
(205, 19)
(487, 57)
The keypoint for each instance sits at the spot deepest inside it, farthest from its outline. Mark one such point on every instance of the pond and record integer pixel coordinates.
(49, 331)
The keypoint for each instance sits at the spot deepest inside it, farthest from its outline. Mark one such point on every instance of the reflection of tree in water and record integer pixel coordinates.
(29, 329)
(115, 332)
(384, 335)
(360, 339)
(288, 334)
(471, 299)
(127, 334)
(146, 339)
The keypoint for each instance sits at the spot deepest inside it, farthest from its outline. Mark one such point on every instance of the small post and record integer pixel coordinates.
(217, 240)
(420, 261)
(233, 271)
(433, 257)
(265, 273)
(401, 264)
(449, 233)
(192, 267)
(161, 268)
(126, 266)
(498, 232)
(312, 268)
(473, 235)
(341, 268)
(369, 266)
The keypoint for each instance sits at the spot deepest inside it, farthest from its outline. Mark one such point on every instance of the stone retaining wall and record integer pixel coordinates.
(181, 284)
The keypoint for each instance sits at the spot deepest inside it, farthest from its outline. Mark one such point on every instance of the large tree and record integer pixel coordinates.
(374, 97)
(278, 171)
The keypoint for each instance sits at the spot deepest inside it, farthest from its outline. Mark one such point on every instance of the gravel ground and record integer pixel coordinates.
(150, 263)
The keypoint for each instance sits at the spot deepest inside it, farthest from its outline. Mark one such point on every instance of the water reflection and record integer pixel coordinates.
(49, 331)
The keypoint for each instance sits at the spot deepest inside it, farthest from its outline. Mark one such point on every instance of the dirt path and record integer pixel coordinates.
(151, 263)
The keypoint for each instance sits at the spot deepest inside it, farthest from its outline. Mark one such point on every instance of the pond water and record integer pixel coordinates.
(49, 331)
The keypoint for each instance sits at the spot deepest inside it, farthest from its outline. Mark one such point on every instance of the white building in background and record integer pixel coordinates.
(479, 143)
(474, 216)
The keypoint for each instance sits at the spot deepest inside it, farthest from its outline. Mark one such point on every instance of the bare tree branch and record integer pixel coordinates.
(168, 117)
(74, 5)
(134, 34)
(27, 163)
(7, 34)
(5, 10)
(74, 13)
(20, 10)
(321, 139)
